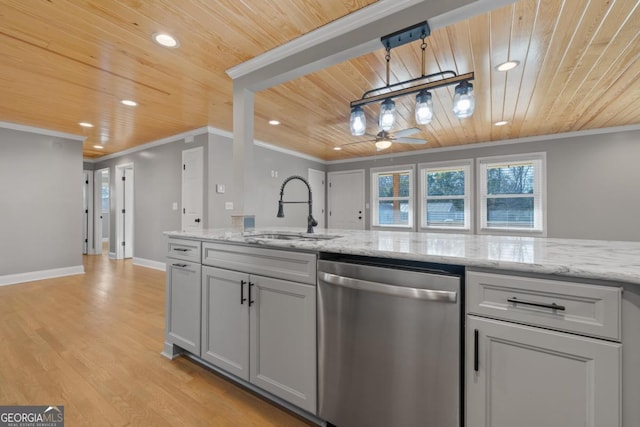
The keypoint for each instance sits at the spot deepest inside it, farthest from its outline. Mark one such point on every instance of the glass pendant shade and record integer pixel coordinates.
(387, 114)
(463, 101)
(424, 108)
(357, 122)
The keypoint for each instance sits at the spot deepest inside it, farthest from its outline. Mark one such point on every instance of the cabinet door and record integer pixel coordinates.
(225, 320)
(283, 340)
(532, 377)
(183, 304)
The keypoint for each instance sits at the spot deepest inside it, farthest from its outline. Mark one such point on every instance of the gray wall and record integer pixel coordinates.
(264, 187)
(592, 181)
(40, 203)
(157, 185)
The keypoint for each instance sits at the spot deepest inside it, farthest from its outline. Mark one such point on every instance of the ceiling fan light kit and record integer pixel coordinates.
(463, 101)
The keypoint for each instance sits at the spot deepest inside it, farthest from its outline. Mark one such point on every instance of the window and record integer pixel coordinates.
(392, 197)
(446, 195)
(512, 191)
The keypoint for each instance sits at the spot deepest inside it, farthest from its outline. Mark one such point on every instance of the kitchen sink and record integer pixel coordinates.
(291, 236)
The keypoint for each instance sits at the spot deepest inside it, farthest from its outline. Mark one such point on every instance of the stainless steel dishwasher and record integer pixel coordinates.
(389, 343)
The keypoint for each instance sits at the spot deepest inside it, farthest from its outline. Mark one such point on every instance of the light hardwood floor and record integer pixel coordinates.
(92, 343)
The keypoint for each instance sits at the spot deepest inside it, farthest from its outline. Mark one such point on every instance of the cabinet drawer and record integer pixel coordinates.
(188, 250)
(288, 265)
(568, 306)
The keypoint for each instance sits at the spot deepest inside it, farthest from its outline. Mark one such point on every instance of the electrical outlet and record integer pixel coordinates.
(174, 206)
(228, 206)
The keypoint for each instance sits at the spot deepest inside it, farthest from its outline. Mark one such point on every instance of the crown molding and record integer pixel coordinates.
(268, 146)
(183, 135)
(539, 138)
(24, 128)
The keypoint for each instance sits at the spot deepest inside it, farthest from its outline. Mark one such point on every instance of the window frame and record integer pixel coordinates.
(539, 193)
(374, 172)
(467, 166)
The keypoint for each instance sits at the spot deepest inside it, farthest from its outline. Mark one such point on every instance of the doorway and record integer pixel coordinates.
(192, 189)
(346, 199)
(124, 197)
(101, 210)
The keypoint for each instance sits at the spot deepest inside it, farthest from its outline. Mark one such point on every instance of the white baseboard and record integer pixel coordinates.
(12, 279)
(112, 255)
(150, 264)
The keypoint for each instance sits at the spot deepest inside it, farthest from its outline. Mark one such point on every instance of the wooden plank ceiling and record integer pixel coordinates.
(67, 61)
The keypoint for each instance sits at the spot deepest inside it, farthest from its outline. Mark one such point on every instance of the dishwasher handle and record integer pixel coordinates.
(381, 288)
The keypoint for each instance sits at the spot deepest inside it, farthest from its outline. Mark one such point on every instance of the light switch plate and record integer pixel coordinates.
(220, 188)
(174, 206)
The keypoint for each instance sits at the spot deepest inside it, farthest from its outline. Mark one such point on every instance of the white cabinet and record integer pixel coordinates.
(528, 376)
(182, 301)
(262, 330)
(225, 320)
(532, 377)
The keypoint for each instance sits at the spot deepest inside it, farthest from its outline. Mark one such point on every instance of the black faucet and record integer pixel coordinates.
(310, 221)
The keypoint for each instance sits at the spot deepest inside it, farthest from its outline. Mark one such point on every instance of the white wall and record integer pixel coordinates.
(40, 202)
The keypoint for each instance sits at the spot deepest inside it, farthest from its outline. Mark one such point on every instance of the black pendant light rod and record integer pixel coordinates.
(366, 99)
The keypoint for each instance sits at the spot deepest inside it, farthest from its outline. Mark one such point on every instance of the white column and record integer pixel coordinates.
(243, 202)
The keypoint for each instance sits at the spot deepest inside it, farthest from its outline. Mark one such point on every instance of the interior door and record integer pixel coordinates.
(124, 201)
(192, 189)
(346, 199)
(317, 182)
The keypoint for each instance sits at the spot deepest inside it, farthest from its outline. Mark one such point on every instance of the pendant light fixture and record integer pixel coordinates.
(387, 114)
(424, 107)
(463, 101)
(357, 122)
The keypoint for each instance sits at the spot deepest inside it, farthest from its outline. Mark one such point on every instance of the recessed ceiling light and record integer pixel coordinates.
(274, 122)
(129, 102)
(85, 124)
(337, 148)
(506, 66)
(501, 123)
(98, 147)
(166, 40)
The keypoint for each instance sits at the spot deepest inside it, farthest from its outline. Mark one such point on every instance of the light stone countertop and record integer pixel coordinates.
(590, 259)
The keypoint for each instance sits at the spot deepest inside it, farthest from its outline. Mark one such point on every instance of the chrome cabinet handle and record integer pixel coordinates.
(399, 291)
(552, 306)
(180, 265)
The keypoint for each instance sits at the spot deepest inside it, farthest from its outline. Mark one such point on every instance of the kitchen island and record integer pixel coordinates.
(588, 259)
(579, 335)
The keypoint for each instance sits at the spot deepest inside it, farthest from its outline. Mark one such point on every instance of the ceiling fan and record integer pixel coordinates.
(384, 139)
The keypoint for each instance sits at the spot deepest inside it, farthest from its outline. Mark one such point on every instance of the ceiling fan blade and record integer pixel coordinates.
(405, 132)
(356, 142)
(410, 140)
